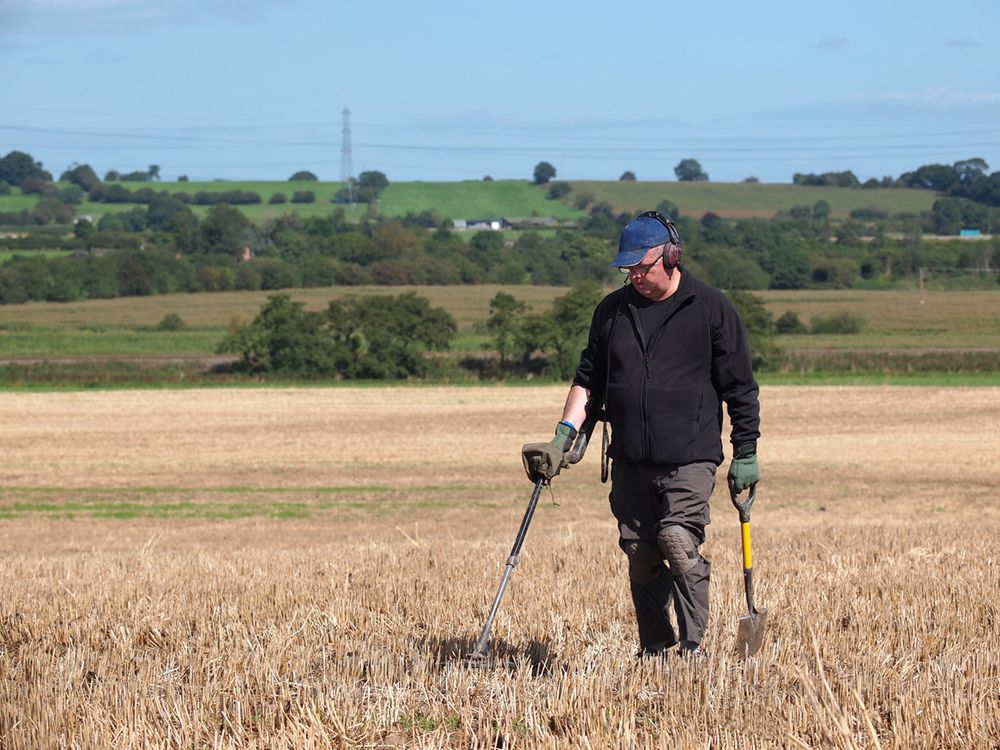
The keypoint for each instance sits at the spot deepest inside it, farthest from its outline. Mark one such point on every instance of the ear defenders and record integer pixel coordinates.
(673, 253)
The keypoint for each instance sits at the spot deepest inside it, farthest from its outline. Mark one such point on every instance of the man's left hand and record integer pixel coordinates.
(743, 472)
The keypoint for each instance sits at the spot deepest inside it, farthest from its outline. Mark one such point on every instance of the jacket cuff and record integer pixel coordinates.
(745, 450)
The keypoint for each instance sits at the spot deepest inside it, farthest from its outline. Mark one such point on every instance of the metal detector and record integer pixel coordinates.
(574, 455)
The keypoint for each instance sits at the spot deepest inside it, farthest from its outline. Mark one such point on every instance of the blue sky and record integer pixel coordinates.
(445, 90)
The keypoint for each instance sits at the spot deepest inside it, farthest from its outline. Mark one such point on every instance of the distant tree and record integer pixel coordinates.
(570, 320)
(303, 176)
(71, 194)
(224, 230)
(487, 178)
(689, 170)
(82, 175)
(969, 169)
(952, 214)
(830, 179)
(278, 198)
(37, 186)
(283, 338)
(544, 172)
(18, 166)
(937, 177)
(759, 323)
(373, 180)
(821, 210)
(627, 176)
(162, 211)
(153, 173)
(182, 178)
(790, 322)
(52, 210)
(112, 175)
(171, 322)
(85, 232)
(789, 267)
(728, 269)
(560, 189)
(751, 179)
(387, 337)
(303, 196)
(506, 312)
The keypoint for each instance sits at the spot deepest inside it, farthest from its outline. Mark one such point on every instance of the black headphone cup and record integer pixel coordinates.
(672, 255)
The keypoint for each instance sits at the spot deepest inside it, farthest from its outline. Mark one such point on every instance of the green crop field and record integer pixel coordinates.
(477, 199)
(744, 200)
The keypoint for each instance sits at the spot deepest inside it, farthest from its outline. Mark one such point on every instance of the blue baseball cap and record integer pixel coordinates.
(636, 240)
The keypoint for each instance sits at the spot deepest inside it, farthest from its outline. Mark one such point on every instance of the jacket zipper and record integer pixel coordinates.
(643, 418)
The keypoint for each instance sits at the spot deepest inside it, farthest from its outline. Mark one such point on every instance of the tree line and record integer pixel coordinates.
(160, 245)
(165, 247)
(397, 337)
(391, 337)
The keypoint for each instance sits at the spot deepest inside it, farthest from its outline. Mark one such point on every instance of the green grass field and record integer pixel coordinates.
(476, 199)
(473, 199)
(744, 200)
(6, 255)
(896, 321)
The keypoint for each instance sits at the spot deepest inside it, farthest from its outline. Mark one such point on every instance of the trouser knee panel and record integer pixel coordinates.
(645, 562)
(679, 548)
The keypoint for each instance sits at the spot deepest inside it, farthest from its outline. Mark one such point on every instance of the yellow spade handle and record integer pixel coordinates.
(747, 547)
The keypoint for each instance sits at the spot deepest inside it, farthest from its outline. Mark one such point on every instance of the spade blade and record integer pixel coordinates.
(750, 633)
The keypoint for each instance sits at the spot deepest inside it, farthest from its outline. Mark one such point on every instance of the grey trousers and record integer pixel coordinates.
(644, 500)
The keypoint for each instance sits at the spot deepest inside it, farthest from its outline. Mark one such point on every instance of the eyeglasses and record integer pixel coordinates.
(643, 269)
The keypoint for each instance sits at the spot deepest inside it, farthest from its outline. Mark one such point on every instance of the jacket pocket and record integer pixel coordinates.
(673, 417)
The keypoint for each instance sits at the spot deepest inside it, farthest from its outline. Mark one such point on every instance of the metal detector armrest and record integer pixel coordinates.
(575, 454)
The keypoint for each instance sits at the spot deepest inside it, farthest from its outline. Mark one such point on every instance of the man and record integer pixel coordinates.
(663, 354)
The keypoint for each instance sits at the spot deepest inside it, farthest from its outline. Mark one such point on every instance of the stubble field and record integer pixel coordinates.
(306, 567)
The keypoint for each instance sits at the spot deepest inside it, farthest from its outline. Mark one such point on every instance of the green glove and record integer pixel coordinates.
(744, 471)
(545, 460)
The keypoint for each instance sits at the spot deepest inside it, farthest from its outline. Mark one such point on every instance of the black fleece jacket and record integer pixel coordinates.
(664, 400)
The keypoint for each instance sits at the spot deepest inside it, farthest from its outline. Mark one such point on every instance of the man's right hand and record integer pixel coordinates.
(545, 460)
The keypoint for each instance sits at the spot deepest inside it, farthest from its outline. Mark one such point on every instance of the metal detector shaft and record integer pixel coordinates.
(512, 561)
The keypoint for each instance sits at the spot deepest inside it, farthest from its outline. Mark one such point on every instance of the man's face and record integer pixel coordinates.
(649, 277)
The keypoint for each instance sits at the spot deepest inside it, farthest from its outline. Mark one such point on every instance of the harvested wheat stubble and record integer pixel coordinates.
(875, 552)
